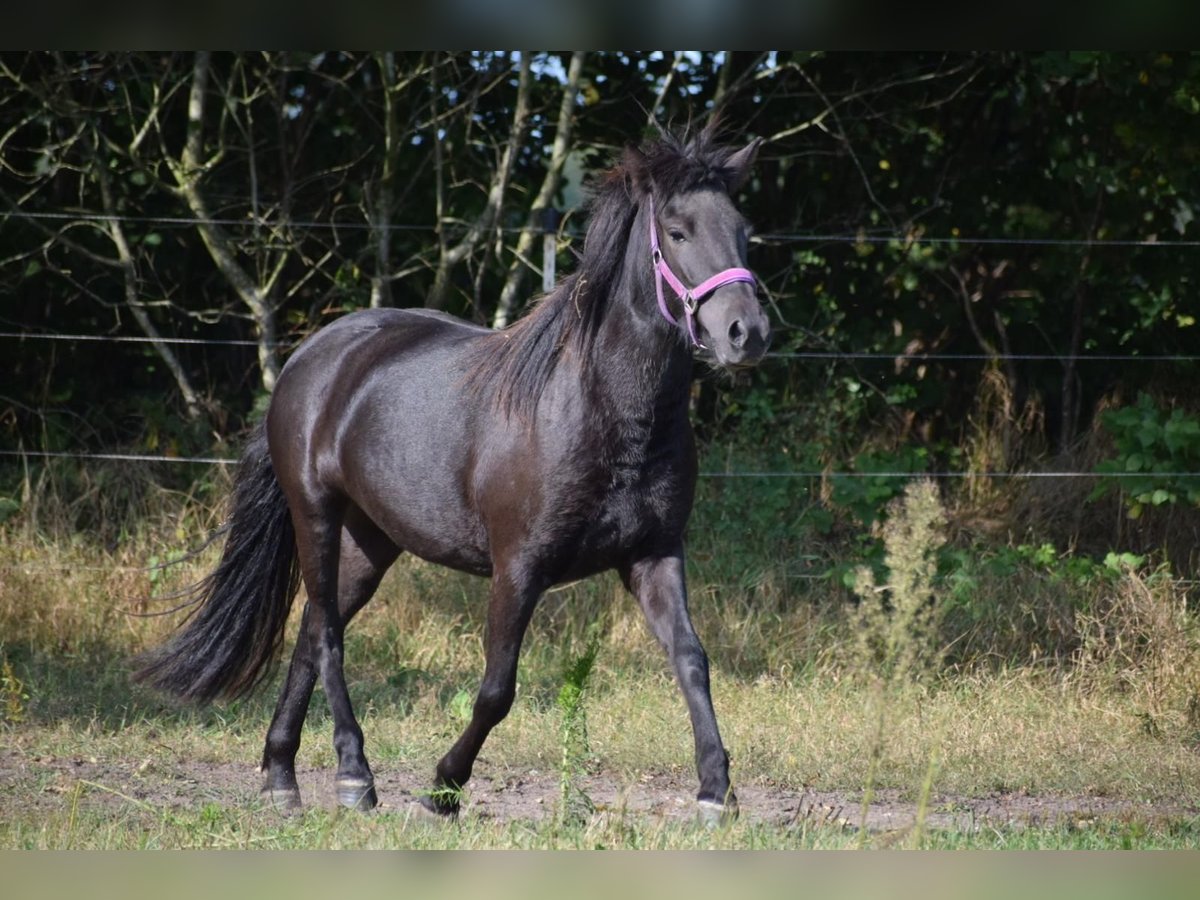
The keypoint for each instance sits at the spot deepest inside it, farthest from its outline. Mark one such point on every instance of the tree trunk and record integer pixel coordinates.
(1070, 380)
(558, 156)
(1069, 420)
(450, 256)
(134, 303)
(381, 285)
(188, 171)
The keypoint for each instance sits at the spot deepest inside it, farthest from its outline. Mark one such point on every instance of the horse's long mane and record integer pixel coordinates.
(518, 362)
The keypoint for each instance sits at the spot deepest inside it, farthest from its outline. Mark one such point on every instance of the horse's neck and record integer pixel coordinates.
(640, 372)
(637, 374)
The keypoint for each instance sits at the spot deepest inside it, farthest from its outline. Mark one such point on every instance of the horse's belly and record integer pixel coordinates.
(462, 558)
(437, 529)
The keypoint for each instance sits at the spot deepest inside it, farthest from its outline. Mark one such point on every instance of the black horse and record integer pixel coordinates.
(550, 451)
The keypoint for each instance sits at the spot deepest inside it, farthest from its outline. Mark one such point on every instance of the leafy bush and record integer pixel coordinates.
(1155, 452)
(876, 483)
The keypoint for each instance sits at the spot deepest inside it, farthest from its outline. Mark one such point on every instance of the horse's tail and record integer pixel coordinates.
(228, 644)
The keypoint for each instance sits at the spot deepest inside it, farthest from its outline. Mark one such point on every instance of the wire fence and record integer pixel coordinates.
(846, 238)
(832, 355)
(816, 475)
(798, 354)
(856, 237)
(130, 339)
(798, 474)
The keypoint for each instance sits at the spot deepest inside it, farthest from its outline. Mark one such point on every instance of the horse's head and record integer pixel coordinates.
(697, 244)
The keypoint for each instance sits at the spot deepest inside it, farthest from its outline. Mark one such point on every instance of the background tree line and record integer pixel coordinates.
(1002, 214)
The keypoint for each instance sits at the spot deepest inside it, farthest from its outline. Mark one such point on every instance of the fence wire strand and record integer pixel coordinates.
(230, 461)
(905, 239)
(799, 354)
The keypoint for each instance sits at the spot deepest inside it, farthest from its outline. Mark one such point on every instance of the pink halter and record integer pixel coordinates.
(690, 298)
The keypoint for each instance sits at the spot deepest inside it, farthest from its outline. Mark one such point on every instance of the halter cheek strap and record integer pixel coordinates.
(692, 298)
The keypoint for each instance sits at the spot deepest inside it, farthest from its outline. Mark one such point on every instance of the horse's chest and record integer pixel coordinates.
(633, 506)
(613, 493)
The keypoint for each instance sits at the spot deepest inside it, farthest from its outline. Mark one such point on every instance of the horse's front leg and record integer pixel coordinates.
(658, 584)
(509, 609)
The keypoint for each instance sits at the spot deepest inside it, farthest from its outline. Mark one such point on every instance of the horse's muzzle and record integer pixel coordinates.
(744, 337)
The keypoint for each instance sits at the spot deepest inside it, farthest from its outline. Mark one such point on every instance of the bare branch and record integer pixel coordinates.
(133, 300)
(187, 172)
(666, 86)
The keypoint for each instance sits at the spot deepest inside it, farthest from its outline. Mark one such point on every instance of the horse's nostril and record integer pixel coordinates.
(737, 334)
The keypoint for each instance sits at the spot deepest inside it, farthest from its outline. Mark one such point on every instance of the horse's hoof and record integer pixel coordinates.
(443, 810)
(422, 810)
(711, 814)
(356, 793)
(281, 799)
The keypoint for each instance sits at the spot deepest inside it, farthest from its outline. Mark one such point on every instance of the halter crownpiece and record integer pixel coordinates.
(690, 298)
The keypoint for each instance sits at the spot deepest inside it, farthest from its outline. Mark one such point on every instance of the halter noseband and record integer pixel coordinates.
(690, 299)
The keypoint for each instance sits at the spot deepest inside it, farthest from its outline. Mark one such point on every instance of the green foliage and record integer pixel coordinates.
(866, 498)
(161, 568)
(1043, 558)
(446, 796)
(896, 623)
(574, 803)
(462, 705)
(1154, 451)
(13, 696)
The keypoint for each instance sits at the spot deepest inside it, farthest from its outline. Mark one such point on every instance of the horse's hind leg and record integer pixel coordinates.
(364, 554)
(509, 610)
(283, 737)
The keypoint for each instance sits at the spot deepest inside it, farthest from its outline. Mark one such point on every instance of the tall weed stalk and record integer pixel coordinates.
(896, 623)
(575, 806)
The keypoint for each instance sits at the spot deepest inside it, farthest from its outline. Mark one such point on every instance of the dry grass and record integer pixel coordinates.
(1054, 688)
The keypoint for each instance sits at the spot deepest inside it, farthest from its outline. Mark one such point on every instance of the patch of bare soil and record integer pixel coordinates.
(45, 783)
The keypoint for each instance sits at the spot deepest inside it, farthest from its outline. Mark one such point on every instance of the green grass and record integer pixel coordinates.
(216, 827)
(1109, 716)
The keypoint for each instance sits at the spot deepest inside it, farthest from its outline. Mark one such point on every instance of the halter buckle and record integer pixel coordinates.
(690, 303)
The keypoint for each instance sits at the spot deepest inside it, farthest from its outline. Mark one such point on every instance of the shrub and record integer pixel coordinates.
(1154, 451)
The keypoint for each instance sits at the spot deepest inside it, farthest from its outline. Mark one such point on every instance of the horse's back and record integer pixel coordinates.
(375, 409)
(341, 366)
(385, 328)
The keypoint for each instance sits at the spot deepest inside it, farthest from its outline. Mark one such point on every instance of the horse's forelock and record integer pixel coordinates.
(677, 164)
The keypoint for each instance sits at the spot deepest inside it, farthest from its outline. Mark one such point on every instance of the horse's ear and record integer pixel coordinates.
(637, 175)
(741, 163)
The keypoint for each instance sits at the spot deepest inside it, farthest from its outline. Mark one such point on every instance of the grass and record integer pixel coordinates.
(217, 827)
(1093, 697)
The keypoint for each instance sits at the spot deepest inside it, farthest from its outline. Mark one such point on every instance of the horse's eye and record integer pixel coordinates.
(677, 236)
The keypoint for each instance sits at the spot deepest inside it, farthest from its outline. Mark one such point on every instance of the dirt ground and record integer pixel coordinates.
(48, 783)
